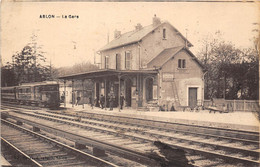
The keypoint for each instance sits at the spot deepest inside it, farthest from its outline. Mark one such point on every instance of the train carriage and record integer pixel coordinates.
(44, 94)
(47, 95)
(8, 94)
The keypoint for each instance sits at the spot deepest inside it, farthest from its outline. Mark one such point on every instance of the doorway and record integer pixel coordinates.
(149, 89)
(193, 97)
(128, 94)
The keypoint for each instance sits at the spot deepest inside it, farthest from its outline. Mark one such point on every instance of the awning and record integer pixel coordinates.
(105, 73)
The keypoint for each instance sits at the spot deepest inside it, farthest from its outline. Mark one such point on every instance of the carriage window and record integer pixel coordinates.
(28, 90)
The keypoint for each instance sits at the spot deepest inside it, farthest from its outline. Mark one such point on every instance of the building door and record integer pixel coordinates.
(192, 97)
(118, 61)
(149, 89)
(128, 97)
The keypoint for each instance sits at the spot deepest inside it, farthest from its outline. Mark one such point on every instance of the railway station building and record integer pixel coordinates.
(150, 66)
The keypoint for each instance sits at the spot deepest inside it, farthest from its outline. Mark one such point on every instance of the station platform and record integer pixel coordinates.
(235, 120)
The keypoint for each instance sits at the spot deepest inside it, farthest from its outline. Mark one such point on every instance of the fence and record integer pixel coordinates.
(238, 105)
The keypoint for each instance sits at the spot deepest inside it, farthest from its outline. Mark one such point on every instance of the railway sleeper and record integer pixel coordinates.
(58, 161)
(77, 163)
(48, 156)
(34, 152)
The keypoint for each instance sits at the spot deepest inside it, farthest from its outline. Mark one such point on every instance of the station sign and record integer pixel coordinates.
(167, 76)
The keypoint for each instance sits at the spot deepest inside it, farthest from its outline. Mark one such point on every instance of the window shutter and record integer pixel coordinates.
(106, 62)
(179, 63)
(128, 60)
(164, 33)
(125, 60)
(183, 63)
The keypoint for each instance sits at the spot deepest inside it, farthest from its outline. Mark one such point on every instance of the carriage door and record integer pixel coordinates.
(192, 97)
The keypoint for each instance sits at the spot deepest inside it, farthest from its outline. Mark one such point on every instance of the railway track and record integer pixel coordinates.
(76, 134)
(184, 140)
(8, 104)
(33, 149)
(244, 147)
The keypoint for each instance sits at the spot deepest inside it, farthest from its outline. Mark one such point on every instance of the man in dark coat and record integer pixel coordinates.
(91, 102)
(122, 99)
(78, 100)
(111, 102)
(102, 101)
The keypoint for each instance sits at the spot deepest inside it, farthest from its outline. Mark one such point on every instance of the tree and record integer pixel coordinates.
(231, 73)
(7, 76)
(28, 65)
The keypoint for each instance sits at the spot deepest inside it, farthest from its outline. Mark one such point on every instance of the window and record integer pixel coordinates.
(164, 33)
(118, 61)
(181, 63)
(106, 62)
(128, 60)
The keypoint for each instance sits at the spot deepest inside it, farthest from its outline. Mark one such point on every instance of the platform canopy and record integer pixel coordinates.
(105, 73)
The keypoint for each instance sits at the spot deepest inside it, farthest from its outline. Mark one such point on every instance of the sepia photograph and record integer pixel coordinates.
(130, 83)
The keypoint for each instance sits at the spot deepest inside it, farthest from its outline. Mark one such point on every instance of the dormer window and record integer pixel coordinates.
(182, 63)
(164, 33)
(106, 62)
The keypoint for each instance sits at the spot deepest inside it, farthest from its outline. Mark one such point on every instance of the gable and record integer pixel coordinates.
(163, 57)
(167, 54)
(136, 36)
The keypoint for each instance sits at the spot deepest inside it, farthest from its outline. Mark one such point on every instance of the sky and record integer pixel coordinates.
(75, 40)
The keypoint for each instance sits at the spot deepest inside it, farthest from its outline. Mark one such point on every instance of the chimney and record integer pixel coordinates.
(156, 20)
(117, 34)
(138, 27)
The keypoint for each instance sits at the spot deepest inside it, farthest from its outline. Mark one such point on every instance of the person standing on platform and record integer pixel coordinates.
(102, 101)
(91, 102)
(111, 102)
(78, 99)
(122, 99)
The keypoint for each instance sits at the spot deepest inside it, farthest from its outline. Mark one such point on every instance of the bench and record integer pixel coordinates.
(218, 105)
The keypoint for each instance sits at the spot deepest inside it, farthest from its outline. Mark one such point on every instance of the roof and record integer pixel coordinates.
(106, 73)
(39, 83)
(169, 53)
(164, 56)
(32, 84)
(135, 36)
